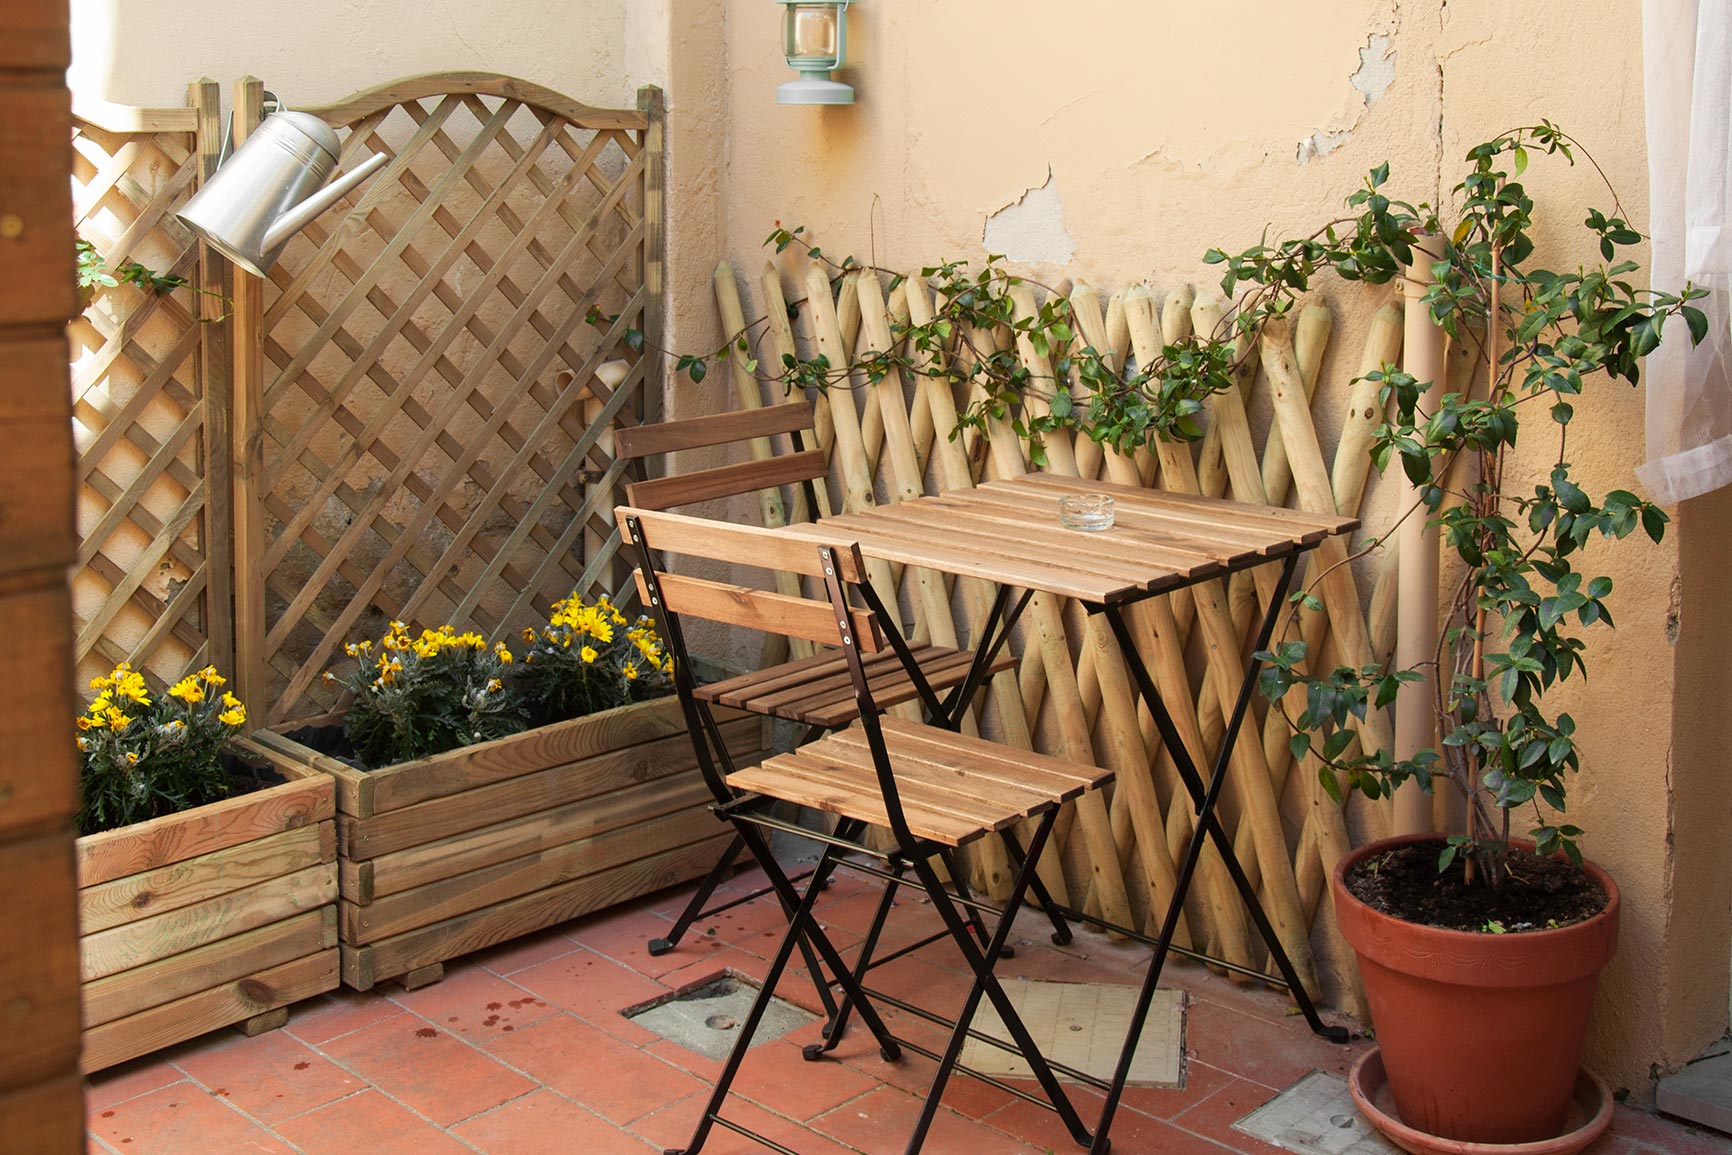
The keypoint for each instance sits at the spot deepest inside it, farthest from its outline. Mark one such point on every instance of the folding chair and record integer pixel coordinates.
(933, 788)
(813, 691)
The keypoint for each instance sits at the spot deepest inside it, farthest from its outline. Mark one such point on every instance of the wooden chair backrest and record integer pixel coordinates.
(794, 417)
(670, 534)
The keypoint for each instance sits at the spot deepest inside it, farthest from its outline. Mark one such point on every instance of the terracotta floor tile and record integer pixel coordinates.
(1271, 1053)
(181, 1119)
(883, 1121)
(672, 1127)
(1652, 1133)
(329, 1016)
(1132, 1133)
(546, 1123)
(624, 937)
(594, 988)
(510, 957)
(1201, 1081)
(1214, 1116)
(367, 1123)
(778, 1077)
(428, 1070)
(270, 1077)
(610, 1077)
(128, 1081)
(476, 1004)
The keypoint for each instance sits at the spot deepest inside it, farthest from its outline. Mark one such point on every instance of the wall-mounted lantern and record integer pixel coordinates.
(815, 39)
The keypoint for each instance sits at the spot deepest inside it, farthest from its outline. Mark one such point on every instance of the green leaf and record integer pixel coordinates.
(697, 370)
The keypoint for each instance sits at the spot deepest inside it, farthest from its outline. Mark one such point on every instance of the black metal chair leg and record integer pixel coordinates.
(969, 911)
(868, 947)
(987, 984)
(1061, 935)
(801, 926)
(695, 908)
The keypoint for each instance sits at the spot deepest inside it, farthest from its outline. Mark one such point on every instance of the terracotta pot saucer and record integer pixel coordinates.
(1589, 1115)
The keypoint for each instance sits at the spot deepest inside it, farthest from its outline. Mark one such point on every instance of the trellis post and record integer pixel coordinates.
(652, 103)
(216, 279)
(247, 423)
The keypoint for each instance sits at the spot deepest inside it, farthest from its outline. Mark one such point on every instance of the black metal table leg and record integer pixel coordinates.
(1206, 798)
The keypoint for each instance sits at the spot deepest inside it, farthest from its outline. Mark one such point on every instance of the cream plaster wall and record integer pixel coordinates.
(1141, 132)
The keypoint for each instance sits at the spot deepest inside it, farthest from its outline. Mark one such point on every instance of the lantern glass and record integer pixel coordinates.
(811, 38)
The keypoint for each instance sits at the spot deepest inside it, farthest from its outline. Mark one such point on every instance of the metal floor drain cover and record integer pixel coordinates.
(1316, 1116)
(706, 1017)
(1083, 1025)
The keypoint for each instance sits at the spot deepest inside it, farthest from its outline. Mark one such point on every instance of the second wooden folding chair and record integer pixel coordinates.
(933, 788)
(814, 689)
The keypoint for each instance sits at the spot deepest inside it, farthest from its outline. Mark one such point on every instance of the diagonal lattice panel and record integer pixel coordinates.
(150, 583)
(436, 444)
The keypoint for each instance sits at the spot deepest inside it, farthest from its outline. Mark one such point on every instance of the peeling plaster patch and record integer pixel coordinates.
(1376, 68)
(1375, 74)
(1031, 230)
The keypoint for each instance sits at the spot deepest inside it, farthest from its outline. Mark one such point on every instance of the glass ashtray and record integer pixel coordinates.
(1087, 512)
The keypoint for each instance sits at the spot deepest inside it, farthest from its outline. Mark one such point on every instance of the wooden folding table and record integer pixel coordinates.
(1008, 533)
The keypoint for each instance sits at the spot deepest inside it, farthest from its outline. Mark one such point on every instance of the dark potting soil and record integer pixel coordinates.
(248, 777)
(329, 741)
(1540, 893)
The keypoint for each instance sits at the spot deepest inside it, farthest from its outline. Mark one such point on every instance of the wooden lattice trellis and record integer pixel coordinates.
(890, 441)
(433, 434)
(405, 421)
(150, 402)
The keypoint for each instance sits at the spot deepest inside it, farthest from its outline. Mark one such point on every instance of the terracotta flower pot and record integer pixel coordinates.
(1481, 1034)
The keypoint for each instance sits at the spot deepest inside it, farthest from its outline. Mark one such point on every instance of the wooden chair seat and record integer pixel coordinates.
(816, 691)
(953, 788)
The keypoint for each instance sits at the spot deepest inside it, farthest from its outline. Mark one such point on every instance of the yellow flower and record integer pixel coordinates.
(118, 720)
(83, 745)
(630, 671)
(86, 723)
(588, 654)
(528, 634)
(234, 717)
(211, 677)
(187, 690)
(231, 701)
(494, 685)
(132, 758)
(503, 654)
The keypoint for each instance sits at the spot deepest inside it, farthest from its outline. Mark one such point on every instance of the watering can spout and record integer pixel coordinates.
(297, 218)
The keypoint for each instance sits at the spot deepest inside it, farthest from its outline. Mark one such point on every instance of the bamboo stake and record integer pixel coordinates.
(952, 471)
(1061, 678)
(850, 450)
(770, 505)
(932, 600)
(779, 332)
(1250, 772)
(1417, 539)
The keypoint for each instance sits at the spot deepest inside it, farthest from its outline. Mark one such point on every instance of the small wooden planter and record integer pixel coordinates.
(218, 915)
(446, 855)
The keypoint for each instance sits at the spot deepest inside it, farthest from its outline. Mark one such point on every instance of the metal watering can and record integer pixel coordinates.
(271, 188)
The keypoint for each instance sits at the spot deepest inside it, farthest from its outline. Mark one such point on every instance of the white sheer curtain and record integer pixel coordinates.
(1687, 67)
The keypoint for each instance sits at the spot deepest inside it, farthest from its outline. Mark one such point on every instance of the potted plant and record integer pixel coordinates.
(207, 882)
(1480, 950)
(483, 794)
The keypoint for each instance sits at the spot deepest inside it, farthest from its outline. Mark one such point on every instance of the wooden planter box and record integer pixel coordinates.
(446, 855)
(213, 916)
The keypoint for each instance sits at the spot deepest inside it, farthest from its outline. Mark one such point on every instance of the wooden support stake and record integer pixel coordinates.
(252, 673)
(771, 508)
(779, 333)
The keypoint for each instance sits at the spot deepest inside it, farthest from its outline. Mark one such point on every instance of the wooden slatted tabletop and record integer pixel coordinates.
(1008, 532)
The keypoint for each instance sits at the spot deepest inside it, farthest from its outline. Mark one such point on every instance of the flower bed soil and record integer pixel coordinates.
(1540, 894)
